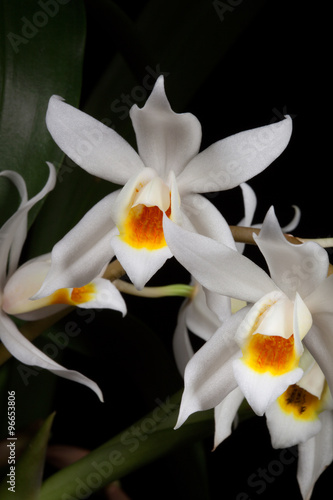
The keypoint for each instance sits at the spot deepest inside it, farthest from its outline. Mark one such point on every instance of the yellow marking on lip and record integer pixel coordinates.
(143, 227)
(270, 353)
(300, 403)
(76, 296)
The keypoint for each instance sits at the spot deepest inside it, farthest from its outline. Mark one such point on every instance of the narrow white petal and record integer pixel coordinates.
(293, 267)
(20, 232)
(250, 204)
(95, 147)
(225, 414)
(216, 266)
(79, 257)
(181, 344)
(209, 375)
(166, 140)
(15, 228)
(236, 159)
(315, 455)
(319, 341)
(27, 353)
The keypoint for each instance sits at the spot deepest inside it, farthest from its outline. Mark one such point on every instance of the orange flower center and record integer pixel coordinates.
(299, 402)
(77, 296)
(270, 353)
(143, 227)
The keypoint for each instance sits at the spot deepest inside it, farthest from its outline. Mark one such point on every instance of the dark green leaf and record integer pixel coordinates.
(41, 52)
(27, 473)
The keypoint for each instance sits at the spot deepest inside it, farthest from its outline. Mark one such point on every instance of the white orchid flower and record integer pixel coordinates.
(17, 285)
(258, 348)
(165, 176)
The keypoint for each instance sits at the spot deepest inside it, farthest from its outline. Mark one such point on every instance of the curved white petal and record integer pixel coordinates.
(216, 266)
(95, 147)
(225, 414)
(315, 455)
(20, 232)
(236, 159)
(14, 229)
(27, 353)
(294, 221)
(293, 267)
(207, 219)
(250, 204)
(209, 375)
(166, 140)
(105, 296)
(139, 264)
(81, 254)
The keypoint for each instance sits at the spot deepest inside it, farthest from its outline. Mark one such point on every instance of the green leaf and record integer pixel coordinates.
(145, 441)
(41, 53)
(27, 473)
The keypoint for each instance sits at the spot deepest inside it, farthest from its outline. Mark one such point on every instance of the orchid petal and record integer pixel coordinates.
(216, 266)
(181, 344)
(294, 417)
(319, 341)
(14, 229)
(27, 353)
(225, 414)
(250, 204)
(320, 300)
(79, 257)
(236, 159)
(292, 267)
(140, 264)
(20, 233)
(315, 455)
(207, 219)
(105, 296)
(208, 375)
(95, 147)
(22, 285)
(261, 389)
(166, 140)
(200, 319)
(286, 429)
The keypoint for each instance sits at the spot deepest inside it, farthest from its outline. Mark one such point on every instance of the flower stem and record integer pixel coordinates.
(178, 290)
